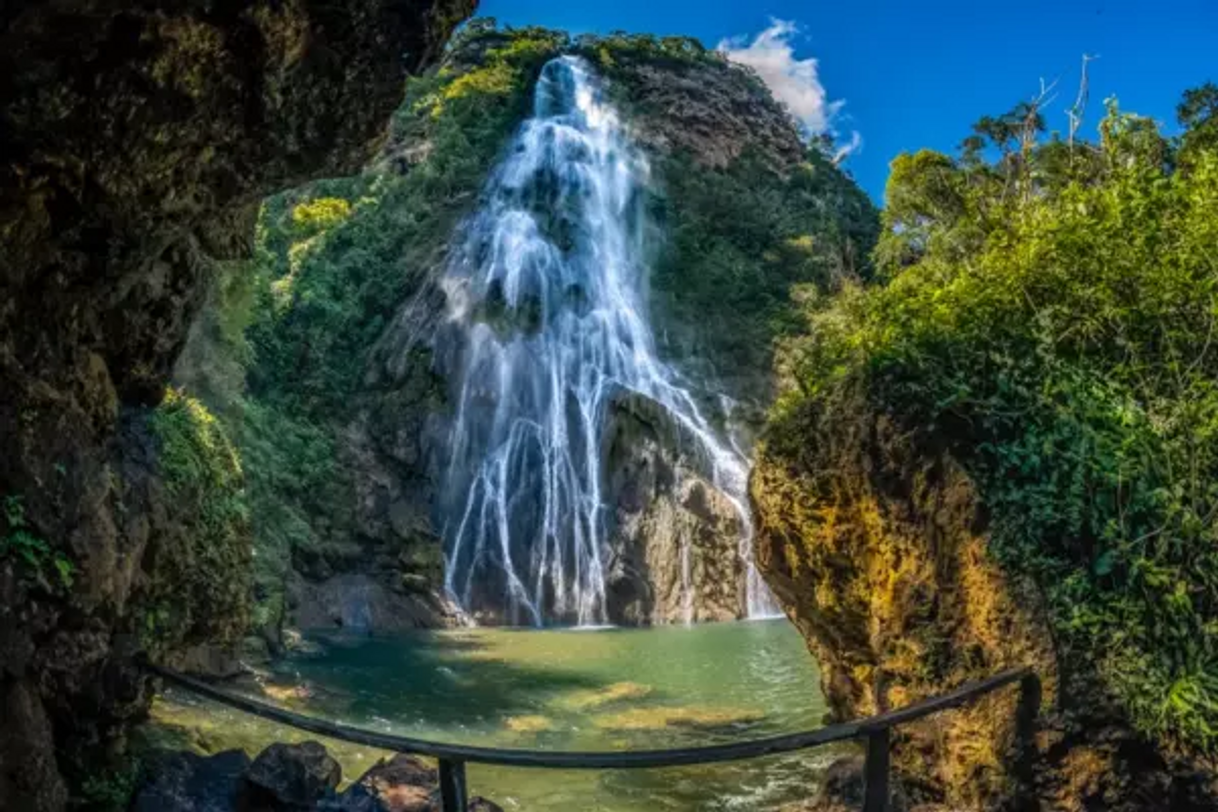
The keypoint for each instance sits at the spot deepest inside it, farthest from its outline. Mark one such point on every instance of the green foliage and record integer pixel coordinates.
(1198, 114)
(199, 578)
(32, 550)
(112, 789)
(606, 51)
(212, 365)
(1058, 337)
(741, 238)
(319, 214)
(326, 291)
(292, 477)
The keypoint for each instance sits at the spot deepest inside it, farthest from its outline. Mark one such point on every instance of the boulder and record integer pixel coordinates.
(186, 782)
(27, 763)
(399, 784)
(291, 777)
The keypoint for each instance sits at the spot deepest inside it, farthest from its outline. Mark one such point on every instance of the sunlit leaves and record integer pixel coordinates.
(1055, 322)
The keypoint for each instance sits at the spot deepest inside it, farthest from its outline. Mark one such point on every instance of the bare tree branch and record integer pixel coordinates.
(1080, 102)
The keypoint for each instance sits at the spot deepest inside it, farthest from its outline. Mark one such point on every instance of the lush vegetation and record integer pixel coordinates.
(198, 586)
(1049, 315)
(735, 249)
(338, 258)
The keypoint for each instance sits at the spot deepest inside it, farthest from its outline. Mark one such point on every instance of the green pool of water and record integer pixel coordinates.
(608, 689)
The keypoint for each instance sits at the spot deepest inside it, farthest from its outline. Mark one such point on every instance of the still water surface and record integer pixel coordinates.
(604, 689)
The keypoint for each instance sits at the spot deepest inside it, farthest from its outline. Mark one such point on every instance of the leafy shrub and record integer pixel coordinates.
(319, 214)
(112, 788)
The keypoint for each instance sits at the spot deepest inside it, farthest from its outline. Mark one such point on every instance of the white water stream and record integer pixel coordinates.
(548, 320)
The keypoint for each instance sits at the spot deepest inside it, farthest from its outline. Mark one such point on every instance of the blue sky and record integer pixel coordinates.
(916, 74)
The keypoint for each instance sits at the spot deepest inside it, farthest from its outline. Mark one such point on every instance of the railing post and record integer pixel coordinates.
(452, 786)
(875, 772)
(1029, 707)
(1025, 738)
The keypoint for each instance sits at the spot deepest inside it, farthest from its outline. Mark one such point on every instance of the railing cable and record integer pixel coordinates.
(453, 757)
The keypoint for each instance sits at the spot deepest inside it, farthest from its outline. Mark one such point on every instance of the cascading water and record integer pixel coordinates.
(547, 324)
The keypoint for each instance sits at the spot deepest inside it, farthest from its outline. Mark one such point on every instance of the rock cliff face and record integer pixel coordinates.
(138, 142)
(874, 539)
(877, 553)
(675, 545)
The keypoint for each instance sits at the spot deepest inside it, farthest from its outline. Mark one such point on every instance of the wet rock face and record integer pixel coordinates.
(675, 542)
(137, 142)
(380, 569)
(877, 553)
(365, 603)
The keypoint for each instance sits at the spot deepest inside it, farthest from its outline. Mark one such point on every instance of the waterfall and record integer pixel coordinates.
(547, 323)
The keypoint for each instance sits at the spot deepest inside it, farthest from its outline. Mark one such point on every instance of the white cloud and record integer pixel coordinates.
(794, 82)
(845, 149)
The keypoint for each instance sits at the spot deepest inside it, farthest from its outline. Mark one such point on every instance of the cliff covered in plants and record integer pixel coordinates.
(1003, 453)
(138, 142)
(318, 355)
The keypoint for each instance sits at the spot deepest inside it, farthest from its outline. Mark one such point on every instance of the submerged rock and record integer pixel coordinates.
(687, 717)
(529, 724)
(610, 694)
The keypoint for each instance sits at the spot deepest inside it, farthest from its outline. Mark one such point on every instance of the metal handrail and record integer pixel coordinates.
(453, 757)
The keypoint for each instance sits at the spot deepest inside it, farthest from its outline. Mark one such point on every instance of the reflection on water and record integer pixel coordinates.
(608, 689)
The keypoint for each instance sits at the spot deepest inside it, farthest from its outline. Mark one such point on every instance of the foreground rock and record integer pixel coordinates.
(401, 784)
(186, 782)
(138, 140)
(289, 778)
(292, 775)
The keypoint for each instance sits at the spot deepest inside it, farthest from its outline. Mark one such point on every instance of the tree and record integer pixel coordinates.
(1197, 112)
